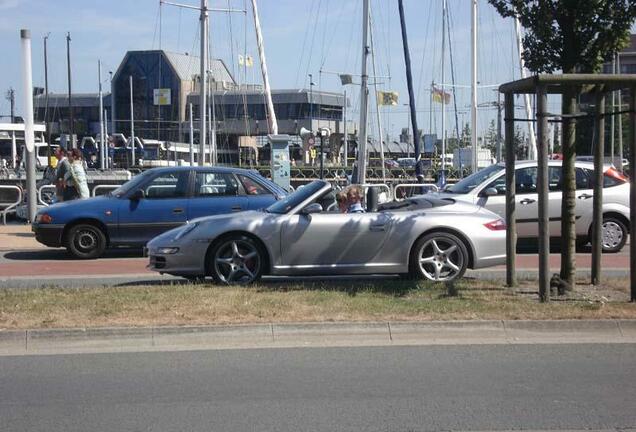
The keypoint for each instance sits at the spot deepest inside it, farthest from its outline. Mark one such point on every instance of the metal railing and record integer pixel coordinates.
(428, 186)
(103, 187)
(10, 205)
(389, 192)
(41, 199)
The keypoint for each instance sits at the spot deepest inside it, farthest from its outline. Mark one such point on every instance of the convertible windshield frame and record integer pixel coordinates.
(297, 200)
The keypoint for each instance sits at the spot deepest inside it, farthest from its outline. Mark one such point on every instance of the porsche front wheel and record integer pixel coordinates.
(236, 260)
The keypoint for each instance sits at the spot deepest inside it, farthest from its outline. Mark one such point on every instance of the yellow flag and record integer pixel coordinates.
(440, 96)
(387, 98)
(240, 60)
(249, 61)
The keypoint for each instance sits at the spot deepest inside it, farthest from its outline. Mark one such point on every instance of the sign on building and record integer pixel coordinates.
(161, 96)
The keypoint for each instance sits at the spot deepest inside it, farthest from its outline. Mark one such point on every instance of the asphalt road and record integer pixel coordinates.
(470, 387)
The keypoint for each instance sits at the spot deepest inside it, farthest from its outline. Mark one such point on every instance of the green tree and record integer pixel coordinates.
(490, 141)
(573, 36)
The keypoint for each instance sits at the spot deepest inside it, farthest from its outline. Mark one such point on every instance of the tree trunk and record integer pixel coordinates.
(568, 202)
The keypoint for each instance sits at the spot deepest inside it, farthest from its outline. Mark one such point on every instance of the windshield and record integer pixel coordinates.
(472, 181)
(294, 199)
(131, 184)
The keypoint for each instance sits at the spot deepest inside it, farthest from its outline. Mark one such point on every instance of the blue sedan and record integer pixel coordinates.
(152, 202)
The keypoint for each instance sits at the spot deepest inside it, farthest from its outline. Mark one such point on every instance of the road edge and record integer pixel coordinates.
(289, 335)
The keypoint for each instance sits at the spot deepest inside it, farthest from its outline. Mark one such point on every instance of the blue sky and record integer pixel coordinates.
(301, 37)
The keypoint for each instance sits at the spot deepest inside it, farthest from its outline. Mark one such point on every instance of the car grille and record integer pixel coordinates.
(157, 262)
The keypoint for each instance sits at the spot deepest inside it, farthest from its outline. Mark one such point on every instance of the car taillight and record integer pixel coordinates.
(496, 225)
(613, 173)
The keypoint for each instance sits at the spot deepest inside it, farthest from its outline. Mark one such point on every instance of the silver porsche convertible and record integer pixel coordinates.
(305, 234)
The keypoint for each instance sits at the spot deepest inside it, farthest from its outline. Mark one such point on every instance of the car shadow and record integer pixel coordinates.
(63, 255)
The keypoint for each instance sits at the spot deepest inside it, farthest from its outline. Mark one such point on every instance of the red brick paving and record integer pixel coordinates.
(124, 266)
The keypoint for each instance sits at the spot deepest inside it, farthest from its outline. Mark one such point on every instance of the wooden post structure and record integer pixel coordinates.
(597, 212)
(511, 224)
(543, 190)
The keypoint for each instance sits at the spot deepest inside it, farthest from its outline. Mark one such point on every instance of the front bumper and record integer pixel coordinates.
(49, 234)
(189, 260)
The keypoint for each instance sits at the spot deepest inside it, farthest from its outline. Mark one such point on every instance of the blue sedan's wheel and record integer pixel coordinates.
(85, 241)
(237, 260)
(439, 257)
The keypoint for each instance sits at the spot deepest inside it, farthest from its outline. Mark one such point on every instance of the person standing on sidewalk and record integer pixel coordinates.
(63, 166)
(77, 175)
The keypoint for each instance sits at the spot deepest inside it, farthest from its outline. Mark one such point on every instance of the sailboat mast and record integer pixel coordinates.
(533, 141)
(70, 102)
(364, 98)
(273, 123)
(443, 99)
(203, 81)
(473, 84)
(377, 106)
(409, 82)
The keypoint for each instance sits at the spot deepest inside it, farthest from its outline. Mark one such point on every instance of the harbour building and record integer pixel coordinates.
(164, 87)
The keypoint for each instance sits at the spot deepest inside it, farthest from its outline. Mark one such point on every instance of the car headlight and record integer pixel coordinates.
(167, 250)
(185, 230)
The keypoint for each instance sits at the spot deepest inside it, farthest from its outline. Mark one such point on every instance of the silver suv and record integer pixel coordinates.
(487, 188)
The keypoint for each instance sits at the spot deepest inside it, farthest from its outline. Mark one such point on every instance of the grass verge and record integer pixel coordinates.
(371, 300)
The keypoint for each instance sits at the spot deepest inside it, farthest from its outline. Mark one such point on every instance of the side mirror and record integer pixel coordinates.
(311, 208)
(137, 195)
(491, 191)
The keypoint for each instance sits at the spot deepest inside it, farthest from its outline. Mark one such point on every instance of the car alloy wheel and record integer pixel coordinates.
(237, 260)
(440, 257)
(613, 235)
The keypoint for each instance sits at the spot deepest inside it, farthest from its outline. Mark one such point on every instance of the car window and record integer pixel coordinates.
(583, 179)
(215, 184)
(469, 183)
(554, 179)
(252, 187)
(526, 180)
(168, 185)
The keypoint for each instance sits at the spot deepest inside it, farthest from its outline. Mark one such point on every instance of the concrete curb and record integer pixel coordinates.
(279, 335)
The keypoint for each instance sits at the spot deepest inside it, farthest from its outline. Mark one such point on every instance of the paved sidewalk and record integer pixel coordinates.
(17, 237)
(274, 335)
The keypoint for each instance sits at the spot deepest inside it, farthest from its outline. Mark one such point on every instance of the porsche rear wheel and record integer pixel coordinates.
(236, 260)
(439, 257)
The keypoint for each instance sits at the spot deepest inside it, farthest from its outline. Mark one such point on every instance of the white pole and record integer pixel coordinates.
(473, 105)
(377, 108)
(203, 82)
(443, 88)
(106, 164)
(522, 66)
(14, 150)
(29, 139)
(102, 141)
(191, 138)
(132, 120)
(273, 123)
(344, 115)
(212, 158)
(215, 157)
(364, 99)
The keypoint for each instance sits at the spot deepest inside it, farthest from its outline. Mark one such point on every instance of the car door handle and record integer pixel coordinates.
(585, 196)
(177, 210)
(377, 227)
(526, 201)
(237, 208)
